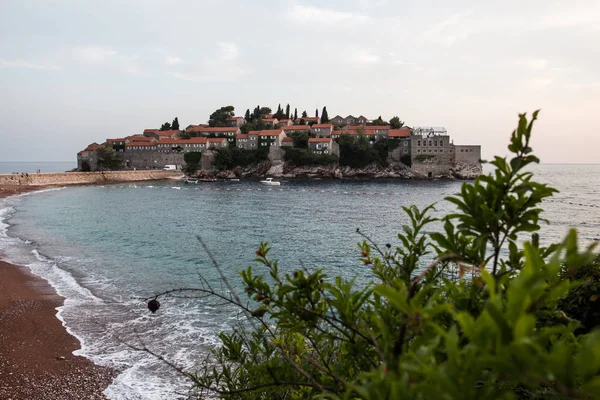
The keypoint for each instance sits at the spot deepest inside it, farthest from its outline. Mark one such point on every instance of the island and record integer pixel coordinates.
(283, 144)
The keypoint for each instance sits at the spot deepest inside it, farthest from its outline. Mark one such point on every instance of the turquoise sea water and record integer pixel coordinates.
(104, 248)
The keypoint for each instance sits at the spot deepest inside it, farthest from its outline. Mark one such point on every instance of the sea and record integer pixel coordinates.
(33, 166)
(106, 249)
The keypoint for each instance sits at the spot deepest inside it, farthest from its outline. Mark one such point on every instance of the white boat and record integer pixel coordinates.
(270, 181)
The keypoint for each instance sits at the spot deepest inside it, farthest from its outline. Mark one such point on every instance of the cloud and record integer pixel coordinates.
(173, 60)
(224, 66)
(365, 57)
(228, 51)
(110, 58)
(94, 54)
(450, 30)
(26, 64)
(534, 64)
(305, 14)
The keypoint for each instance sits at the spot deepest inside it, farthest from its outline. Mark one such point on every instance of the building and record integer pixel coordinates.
(338, 121)
(272, 137)
(173, 133)
(320, 145)
(321, 130)
(309, 120)
(296, 129)
(467, 154)
(399, 148)
(117, 144)
(228, 132)
(217, 143)
(432, 152)
(242, 141)
(287, 142)
(285, 122)
(270, 122)
(253, 139)
(236, 121)
(87, 159)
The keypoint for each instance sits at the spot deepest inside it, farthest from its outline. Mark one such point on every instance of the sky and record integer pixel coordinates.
(75, 72)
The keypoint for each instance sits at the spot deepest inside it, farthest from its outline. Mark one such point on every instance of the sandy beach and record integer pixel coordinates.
(36, 360)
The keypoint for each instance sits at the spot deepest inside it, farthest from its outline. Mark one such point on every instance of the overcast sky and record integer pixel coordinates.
(73, 72)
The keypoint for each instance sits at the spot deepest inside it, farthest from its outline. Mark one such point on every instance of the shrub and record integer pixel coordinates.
(415, 332)
(301, 157)
(229, 158)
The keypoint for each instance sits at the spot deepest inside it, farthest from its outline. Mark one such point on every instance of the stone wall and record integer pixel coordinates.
(467, 154)
(83, 178)
(145, 159)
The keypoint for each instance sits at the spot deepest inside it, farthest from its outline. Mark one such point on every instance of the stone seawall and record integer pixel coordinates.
(84, 178)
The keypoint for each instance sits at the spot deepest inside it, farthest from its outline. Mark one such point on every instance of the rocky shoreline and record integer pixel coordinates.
(373, 171)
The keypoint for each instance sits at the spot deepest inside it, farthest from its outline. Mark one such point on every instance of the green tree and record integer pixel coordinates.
(324, 116)
(287, 111)
(304, 114)
(165, 127)
(317, 113)
(264, 112)
(379, 122)
(395, 123)
(472, 312)
(219, 117)
(247, 116)
(295, 114)
(107, 158)
(175, 124)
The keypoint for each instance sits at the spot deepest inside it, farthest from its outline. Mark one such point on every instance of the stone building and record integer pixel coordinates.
(467, 154)
(272, 137)
(87, 159)
(321, 130)
(236, 121)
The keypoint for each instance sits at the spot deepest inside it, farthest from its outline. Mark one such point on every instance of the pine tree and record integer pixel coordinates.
(304, 114)
(324, 116)
(175, 124)
(287, 111)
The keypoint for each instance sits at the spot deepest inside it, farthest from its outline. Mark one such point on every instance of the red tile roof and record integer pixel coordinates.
(254, 133)
(309, 118)
(241, 136)
(399, 133)
(270, 119)
(270, 132)
(234, 118)
(287, 139)
(319, 140)
(168, 133)
(216, 140)
(92, 147)
(328, 126)
(115, 140)
(150, 130)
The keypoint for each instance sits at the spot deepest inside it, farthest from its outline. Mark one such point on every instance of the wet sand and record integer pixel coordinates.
(36, 360)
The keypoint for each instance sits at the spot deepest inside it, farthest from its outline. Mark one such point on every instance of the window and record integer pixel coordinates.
(318, 146)
(405, 143)
(252, 145)
(326, 151)
(405, 151)
(430, 142)
(418, 150)
(435, 143)
(273, 144)
(253, 137)
(418, 143)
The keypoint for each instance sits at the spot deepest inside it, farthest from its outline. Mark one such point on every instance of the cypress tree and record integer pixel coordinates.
(304, 114)
(316, 113)
(175, 124)
(295, 114)
(247, 115)
(287, 111)
(324, 116)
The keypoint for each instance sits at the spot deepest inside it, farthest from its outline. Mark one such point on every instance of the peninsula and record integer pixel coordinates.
(283, 144)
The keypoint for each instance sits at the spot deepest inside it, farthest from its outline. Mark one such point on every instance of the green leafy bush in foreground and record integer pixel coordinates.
(479, 311)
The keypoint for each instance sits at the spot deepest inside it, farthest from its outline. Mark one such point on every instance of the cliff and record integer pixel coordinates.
(280, 169)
